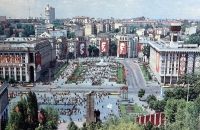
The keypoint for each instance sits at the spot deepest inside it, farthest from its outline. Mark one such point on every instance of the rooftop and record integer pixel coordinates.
(164, 46)
(3, 87)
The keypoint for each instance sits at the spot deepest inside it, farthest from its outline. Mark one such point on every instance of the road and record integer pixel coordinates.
(135, 82)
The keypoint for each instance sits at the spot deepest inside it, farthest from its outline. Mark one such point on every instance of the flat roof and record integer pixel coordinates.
(164, 46)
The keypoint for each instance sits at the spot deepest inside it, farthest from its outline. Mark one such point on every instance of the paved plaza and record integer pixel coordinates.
(107, 104)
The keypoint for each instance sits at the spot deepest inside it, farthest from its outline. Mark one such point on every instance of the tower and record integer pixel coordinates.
(49, 14)
(174, 34)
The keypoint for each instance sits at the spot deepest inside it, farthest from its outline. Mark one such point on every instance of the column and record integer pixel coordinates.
(20, 70)
(4, 73)
(15, 73)
(9, 72)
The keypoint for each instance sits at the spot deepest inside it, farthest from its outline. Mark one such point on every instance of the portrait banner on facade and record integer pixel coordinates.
(82, 48)
(182, 64)
(38, 62)
(197, 64)
(104, 46)
(157, 61)
(190, 63)
(122, 48)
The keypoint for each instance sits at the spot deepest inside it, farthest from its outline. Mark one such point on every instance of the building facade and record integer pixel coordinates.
(39, 29)
(172, 59)
(24, 61)
(127, 46)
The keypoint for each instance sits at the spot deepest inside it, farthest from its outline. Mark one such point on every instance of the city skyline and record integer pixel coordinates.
(157, 9)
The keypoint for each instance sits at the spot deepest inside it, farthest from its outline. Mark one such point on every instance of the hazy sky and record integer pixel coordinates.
(152, 9)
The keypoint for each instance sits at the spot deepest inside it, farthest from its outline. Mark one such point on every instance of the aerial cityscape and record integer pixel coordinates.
(89, 65)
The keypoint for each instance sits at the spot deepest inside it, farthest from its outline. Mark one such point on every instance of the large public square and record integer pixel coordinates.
(70, 97)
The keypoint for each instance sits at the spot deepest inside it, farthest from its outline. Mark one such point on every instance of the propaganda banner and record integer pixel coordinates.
(38, 62)
(104, 46)
(157, 61)
(82, 48)
(122, 48)
(182, 63)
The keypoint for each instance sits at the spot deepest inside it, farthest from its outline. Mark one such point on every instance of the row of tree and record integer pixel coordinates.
(24, 115)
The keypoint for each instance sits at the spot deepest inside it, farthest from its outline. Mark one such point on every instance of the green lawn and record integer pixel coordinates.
(60, 70)
(138, 109)
(77, 72)
(123, 109)
(120, 75)
(145, 74)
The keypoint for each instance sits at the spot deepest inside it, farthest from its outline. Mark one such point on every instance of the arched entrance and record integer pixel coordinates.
(31, 70)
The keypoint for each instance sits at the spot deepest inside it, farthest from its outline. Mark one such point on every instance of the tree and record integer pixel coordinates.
(146, 51)
(141, 93)
(11, 80)
(194, 39)
(168, 94)
(150, 98)
(113, 48)
(72, 126)
(1, 30)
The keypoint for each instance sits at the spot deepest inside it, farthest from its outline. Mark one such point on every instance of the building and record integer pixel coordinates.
(49, 14)
(127, 45)
(80, 19)
(4, 105)
(103, 41)
(90, 28)
(24, 60)
(72, 48)
(171, 59)
(39, 29)
(61, 48)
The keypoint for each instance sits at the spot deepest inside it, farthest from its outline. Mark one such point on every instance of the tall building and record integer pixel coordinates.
(49, 14)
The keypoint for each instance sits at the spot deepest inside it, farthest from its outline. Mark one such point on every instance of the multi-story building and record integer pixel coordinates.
(39, 29)
(61, 48)
(24, 60)
(103, 40)
(72, 47)
(90, 28)
(80, 19)
(127, 45)
(49, 14)
(171, 59)
(4, 104)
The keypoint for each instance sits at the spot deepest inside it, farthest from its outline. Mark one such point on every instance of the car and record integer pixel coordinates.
(58, 87)
(53, 87)
(41, 90)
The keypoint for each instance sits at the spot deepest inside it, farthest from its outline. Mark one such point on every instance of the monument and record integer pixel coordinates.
(90, 116)
(101, 63)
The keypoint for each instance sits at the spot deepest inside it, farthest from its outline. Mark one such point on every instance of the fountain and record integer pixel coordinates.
(101, 63)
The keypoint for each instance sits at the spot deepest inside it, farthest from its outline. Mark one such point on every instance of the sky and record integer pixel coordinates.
(118, 9)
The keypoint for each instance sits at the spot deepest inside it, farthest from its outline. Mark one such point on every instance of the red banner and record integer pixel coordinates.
(157, 61)
(38, 61)
(11, 59)
(104, 46)
(122, 48)
(139, 48)
(82, 48)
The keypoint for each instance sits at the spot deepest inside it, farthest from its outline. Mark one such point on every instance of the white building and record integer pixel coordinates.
(172, 59)
(130, 45)
(39, 29)
(24, 60)
(49, 14)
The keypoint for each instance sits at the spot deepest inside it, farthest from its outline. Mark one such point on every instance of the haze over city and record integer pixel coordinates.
(156, 9)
